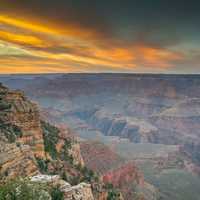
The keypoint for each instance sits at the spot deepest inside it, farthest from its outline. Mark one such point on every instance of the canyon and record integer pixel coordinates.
(33, 149)
(139, 131)
(27, 152)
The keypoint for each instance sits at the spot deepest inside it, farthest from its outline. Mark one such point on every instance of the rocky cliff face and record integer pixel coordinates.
(16, 161)
(137, 130)
(99, 157)
(74, 150)
(24, 115)
(124, 174)
(114, 169)
(20, 140)
(126, 177)
(29, 146)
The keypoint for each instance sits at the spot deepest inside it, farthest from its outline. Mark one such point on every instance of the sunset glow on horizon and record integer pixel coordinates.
(34, 40)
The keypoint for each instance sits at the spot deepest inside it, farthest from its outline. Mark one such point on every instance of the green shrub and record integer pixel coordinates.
(57, 194)
(65, 177)
(113, 194)
(11, 132)
(88, 175)
(64, 154)
(23, 190)
(3, 92)
(74, 180)
(17, 131)
(50, 134)
(108, 186)
(4, 105)
(68, 144)
(43, 165)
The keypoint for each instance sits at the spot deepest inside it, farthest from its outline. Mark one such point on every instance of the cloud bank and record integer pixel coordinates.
(93, 36)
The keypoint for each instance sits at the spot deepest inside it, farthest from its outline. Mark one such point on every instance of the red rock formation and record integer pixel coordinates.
(113, 169)
(125, 174)
(99, 157)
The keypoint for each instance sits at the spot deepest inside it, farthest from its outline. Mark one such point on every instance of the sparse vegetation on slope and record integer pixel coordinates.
(24, 189)
(50, 134)
(10, 131)
(42, 165)
(113, 194)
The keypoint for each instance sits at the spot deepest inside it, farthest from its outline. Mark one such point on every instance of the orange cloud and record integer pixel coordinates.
(82, 50)
(21, 39)
(117, 54)
(26, 25)
(69, 30)
(157, 57)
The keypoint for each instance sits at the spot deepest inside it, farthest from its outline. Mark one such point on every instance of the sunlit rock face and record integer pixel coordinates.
(20, 135)
(16, 161)
(23, 114)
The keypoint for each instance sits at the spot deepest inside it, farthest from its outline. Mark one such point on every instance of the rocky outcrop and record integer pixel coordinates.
(125, 174)
(24, 115)
(20, 135)
(74, 150)
(16, 161)
(126, 178)
(81, 191)
(122, 174)
(99, 157)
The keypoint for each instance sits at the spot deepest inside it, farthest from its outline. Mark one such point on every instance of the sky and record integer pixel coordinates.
(125, 36)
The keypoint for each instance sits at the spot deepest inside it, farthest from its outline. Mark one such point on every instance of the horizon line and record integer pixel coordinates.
(88, 73)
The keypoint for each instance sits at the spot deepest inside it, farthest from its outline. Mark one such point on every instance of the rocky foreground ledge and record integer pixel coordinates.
(81, 191)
